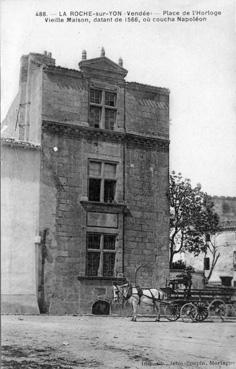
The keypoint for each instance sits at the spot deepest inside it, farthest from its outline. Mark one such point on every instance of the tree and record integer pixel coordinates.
(192, 217)
(213, 250)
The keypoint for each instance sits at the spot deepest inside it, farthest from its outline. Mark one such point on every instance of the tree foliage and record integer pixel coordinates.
(192, 217)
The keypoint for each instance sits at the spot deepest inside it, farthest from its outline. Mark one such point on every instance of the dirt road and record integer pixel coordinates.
(69, 342)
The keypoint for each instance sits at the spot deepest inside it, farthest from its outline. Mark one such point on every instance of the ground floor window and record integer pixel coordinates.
(100, 254)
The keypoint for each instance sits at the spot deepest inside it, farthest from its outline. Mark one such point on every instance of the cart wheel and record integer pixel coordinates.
(172, 311)
(188, 312)
(217, 309)
(202, 311)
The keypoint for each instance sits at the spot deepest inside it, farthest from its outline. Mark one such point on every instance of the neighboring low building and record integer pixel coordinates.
(225, 243)
(85, 178)
(20, 178)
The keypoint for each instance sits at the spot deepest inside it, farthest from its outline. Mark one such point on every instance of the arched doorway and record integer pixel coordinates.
(101, 307)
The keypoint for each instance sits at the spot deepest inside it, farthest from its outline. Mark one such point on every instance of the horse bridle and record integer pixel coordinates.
(120, 290)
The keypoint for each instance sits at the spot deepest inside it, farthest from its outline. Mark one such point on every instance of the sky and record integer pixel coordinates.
(194, 60)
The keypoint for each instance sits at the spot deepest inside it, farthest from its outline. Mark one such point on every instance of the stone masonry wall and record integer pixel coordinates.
(146, 226)
(65, 97)
(141, 111)
(58, 99)
(147, 110)
(63, 185)
(61, 214)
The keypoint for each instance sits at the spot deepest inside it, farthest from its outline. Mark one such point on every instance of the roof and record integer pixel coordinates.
(13, 142)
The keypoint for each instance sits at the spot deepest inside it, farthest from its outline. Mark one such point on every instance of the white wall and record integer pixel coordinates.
(20, 206)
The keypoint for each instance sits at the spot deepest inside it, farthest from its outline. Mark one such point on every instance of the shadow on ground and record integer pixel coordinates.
(14, 357)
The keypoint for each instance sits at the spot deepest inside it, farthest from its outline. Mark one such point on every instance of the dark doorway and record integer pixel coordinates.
(226, 281)
(101, 308)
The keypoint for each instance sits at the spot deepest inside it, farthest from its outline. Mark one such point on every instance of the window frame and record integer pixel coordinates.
(101, 251)
(94, 123)
(90, 95)
(115, 98)
(107, 111)
(102, 179)
(103, 108)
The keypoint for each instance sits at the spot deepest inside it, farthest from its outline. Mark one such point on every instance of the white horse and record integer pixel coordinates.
(136, 296)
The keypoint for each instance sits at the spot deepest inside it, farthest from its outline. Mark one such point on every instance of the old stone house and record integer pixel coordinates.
(224, 243)
(84, 181)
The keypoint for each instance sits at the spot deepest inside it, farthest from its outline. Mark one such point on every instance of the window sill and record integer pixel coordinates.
(115, 279)
(104, 206)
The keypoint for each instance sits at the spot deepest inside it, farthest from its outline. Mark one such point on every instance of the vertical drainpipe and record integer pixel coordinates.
(42, 302)
(124, 178)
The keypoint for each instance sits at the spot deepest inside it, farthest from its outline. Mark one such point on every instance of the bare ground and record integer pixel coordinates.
(70, 342)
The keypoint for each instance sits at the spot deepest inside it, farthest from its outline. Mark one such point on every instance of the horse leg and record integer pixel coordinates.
(134, 306)
(157, 305)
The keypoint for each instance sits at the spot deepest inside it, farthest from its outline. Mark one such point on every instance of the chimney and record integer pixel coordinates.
(120, 62)
(84, 55)
(48, 54)
(28, 64)
(45, 58)
(102, 52)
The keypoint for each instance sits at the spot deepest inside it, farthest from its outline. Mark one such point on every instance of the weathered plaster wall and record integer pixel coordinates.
(226, 246)
(23, 119)
(20, 205)
(34, 119)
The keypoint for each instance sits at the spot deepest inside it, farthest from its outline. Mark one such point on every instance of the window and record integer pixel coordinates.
(95, 96)
(109, 190)
(94, 189)
(102, 111)
(95, 116)
(102, 181)
(110, 119)
(110, 99)
(100, 254)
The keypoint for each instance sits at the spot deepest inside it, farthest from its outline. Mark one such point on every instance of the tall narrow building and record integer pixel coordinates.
(85, 181)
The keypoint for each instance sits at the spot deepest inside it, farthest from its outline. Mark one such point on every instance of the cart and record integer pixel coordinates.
(194, 305)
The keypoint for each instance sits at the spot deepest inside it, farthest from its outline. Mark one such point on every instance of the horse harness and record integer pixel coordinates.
(140, 294)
